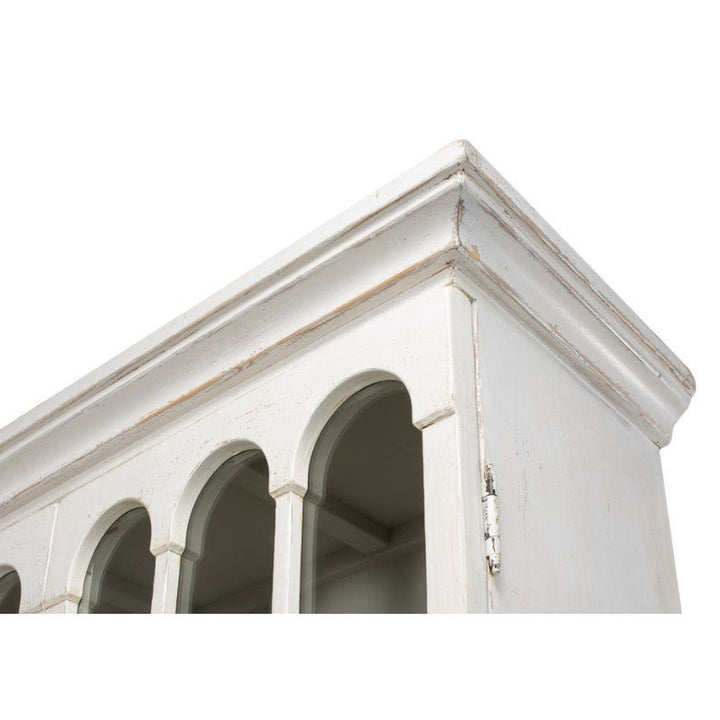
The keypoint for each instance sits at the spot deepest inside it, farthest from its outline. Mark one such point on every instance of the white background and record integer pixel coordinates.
(152, 152)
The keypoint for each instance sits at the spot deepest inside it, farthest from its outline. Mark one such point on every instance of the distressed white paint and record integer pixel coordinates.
(583, 520)
(512, 350)
(454, 549)
(167, 581)
(288, 538)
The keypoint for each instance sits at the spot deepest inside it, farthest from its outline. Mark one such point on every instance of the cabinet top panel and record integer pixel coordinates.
(489, 228)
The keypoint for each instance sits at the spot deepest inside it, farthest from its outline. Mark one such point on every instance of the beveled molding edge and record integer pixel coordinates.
(457, 165)
(564, 303)
(529, 228)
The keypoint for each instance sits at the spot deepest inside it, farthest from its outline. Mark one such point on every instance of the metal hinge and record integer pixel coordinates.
(490, 518)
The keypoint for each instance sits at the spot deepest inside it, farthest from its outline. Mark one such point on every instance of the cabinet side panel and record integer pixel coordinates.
(583, 518)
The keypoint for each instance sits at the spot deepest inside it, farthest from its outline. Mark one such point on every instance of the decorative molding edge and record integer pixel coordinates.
(437, 416)
(290, 487)
(516, 258)
(170, 547)
(474, 225)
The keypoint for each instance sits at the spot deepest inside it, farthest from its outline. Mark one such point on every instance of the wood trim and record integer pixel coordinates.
(364, 259)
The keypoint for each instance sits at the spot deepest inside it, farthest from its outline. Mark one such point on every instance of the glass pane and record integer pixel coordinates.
(227, 566)
(10, 593)
(363, 517)
(120, 576)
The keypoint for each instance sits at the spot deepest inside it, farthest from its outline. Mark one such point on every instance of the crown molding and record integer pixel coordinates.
(451, 214)
(371, 215)
(517, 258)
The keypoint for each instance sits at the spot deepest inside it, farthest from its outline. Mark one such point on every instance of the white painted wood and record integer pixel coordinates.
(64, 607)
(512, 351)
(283, 417)
(94, 580)
(456, 572)
(287, 563)
(583, 521)
(25, 547)
(167, 581)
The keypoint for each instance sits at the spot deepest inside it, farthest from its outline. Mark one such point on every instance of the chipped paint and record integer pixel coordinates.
(374, 291)
(491, 520)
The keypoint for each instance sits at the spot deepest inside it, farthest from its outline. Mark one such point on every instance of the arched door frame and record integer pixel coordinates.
(102, 555)
(198, 523)
(368, 537)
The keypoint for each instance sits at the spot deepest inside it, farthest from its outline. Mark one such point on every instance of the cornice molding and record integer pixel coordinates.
(518, 259)
(529, 227)
(473, 223)
(370, 216)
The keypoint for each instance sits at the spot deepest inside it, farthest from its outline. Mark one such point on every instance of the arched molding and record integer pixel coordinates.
(319, 419)
(84, 554)
(349, 507)
(333, 432)
(191, 491)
